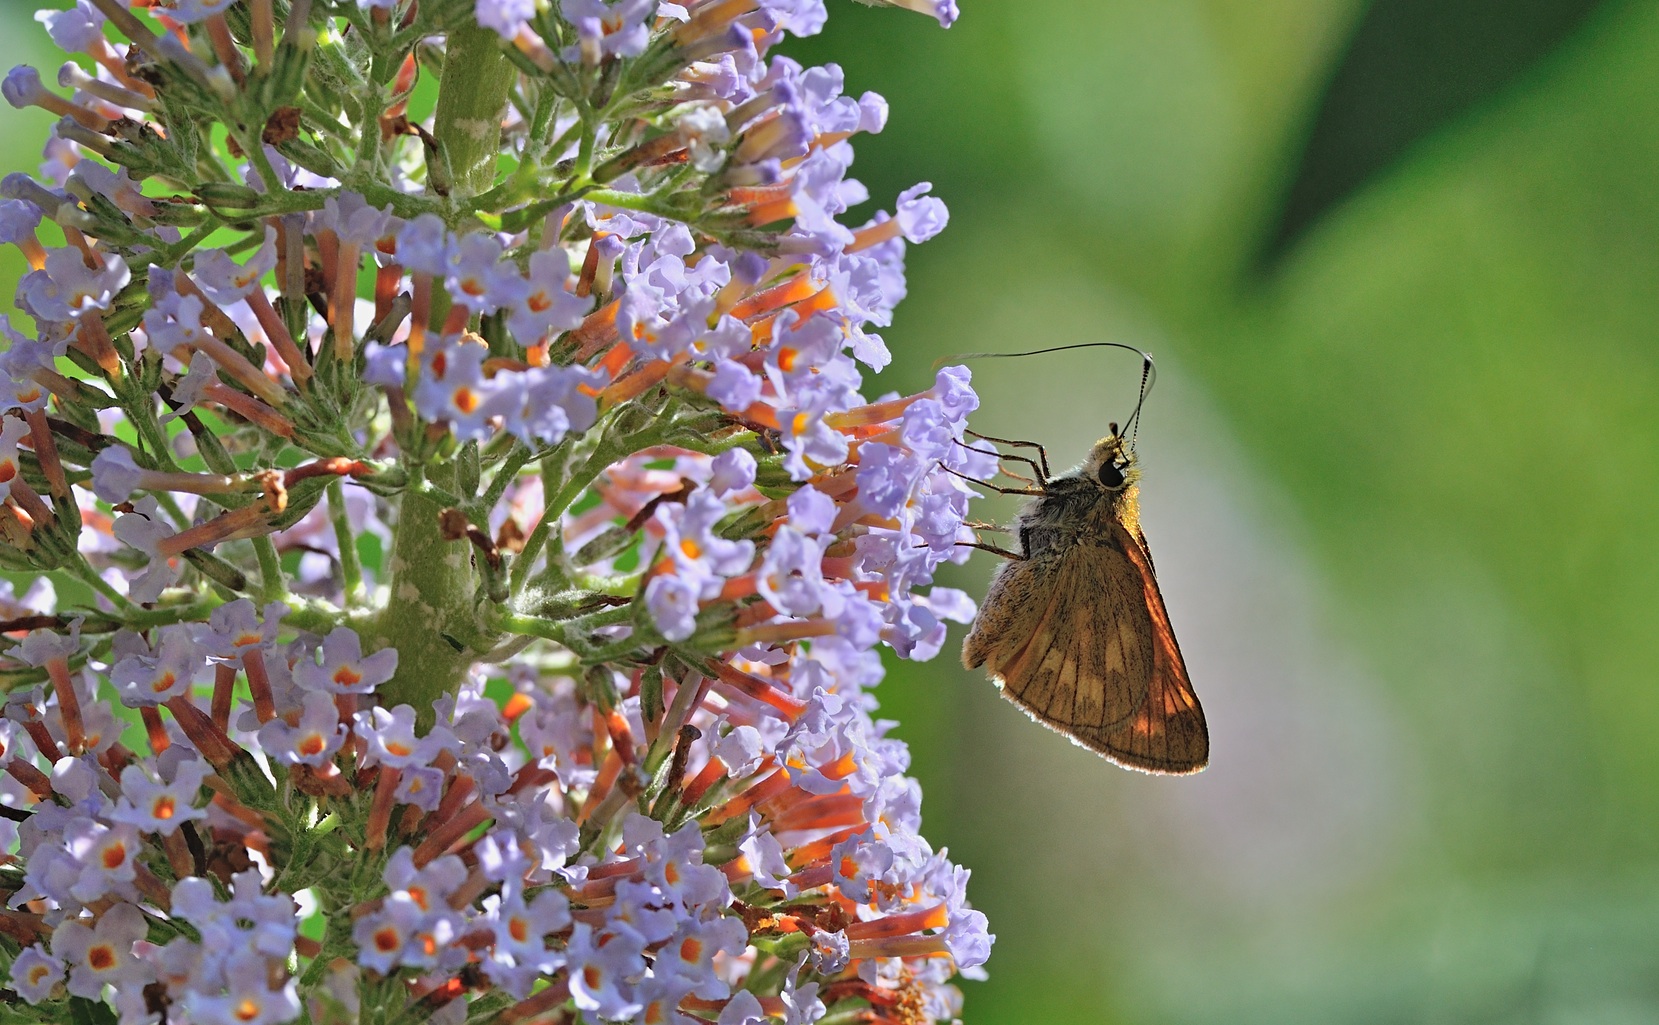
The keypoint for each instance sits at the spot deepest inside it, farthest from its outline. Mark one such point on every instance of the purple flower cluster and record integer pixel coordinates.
(472, 587)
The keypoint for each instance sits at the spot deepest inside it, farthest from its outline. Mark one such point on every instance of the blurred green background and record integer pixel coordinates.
(1399, 263)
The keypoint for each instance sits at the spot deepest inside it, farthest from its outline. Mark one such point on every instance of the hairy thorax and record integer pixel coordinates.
(1075, 510)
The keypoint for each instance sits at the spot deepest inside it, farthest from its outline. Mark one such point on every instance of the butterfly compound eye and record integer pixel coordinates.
(1111, 476)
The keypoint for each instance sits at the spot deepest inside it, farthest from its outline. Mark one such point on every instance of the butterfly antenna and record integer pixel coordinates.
(1149, 377)
(1149, 373)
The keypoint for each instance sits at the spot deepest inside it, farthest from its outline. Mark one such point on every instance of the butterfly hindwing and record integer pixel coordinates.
(1167, 733)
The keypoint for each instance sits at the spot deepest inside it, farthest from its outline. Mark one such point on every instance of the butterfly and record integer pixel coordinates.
(1073, 628)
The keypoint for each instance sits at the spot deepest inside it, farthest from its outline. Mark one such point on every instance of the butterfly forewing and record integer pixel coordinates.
(1048, 643)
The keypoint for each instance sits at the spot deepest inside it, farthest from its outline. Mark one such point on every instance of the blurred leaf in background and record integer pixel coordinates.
(1411, 66)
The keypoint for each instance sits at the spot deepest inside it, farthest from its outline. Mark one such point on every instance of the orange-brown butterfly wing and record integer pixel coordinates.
(1069, 638)
(1167, 733)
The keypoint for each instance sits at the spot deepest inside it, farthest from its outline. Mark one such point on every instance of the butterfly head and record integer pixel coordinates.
(1111, 463)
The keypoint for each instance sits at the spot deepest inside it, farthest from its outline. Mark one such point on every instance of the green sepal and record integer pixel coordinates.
(650, 694)
(288, 68)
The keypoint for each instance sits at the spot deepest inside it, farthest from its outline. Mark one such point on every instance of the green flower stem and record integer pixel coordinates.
(516, 459)
(314, 615)
(170, 505)
(143, 619)
(628, 201)
(472, 93)
(351, 570)
(171, 255)
(272, 584)
(538, 537)
(604, 455)
(142, 417)
(697, 441)
(581, 188)
(584, 150)
(405, 205)
(541, 130)
(429, 615)
(326, 123)
(615, 650)
(255, 149)
(576, 634)
(622, 586)
(598, 620)
(84, 571)
(523, 217)
(531, 626)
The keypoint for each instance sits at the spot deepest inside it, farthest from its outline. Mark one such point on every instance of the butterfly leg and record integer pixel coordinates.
(993, 549)
(1042, 454)
(994, 487)
(1027, 460)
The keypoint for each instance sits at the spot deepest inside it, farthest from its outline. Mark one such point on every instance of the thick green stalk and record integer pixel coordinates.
(429, 615)
(472, 95)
